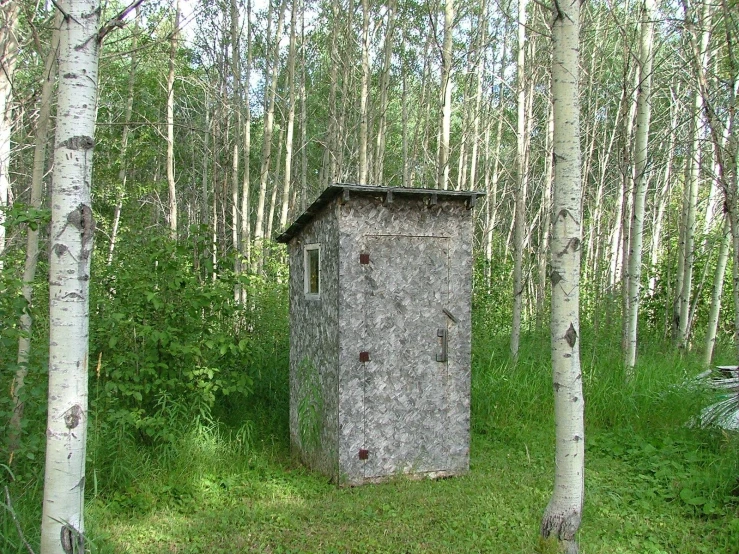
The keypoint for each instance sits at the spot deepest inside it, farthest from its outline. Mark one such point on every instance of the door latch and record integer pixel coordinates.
(442, 333)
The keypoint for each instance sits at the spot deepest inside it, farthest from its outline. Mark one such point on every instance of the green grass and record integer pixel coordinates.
(653, 485)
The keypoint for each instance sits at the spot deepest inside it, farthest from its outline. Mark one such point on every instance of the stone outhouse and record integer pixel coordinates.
(380, 286)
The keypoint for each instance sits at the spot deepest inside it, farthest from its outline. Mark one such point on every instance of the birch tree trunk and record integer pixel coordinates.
(32, 238)
(384, 87)
(122, 173)
(236, 103)
(269, 122)
(246, 183)
(170, 123)
(520, 192)
(290, 120)
(636, 239)
(72, 228)
(563, 513)
(8, 50)
(716, 292)
(364, 97)
(442, 180)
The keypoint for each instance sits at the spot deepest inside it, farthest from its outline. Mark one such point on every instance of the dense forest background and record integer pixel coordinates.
(218, 123)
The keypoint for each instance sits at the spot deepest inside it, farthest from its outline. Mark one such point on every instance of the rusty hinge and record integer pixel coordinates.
(364, 357)
(363, 454)
(364, 259)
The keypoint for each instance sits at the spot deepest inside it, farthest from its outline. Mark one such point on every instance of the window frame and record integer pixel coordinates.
(307, 250)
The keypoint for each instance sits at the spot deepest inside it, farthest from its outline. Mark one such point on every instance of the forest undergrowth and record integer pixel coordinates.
(188, 441)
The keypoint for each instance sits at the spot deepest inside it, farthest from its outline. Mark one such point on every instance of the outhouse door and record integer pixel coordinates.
(406, 380)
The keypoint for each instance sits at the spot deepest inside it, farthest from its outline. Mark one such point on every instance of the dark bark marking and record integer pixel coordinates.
(69, 76)
(72, 416)
(82, 220)
(60, 249)
(78, 143)
(571, 336)
(555, 278)
(72, 540)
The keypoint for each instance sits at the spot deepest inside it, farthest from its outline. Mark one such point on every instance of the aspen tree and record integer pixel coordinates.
(521, 181)
(8, 51)
(72, 229)
(236, 102)
(643, 114)
(564, 512)
(246, 183)
(303, 116)
(479, 71)
(364, 97)
(442, 180)
(384, 91)
(32, 239)
(123, 173)
(173, 43)
(269, 123)
(290, 119)
(716, 292)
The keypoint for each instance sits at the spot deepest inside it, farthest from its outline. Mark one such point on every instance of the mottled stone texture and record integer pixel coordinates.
(407, 409)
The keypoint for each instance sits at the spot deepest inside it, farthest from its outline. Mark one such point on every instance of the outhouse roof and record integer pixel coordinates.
(332, 191)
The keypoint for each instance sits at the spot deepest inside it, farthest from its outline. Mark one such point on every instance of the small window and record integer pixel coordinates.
(312, 269)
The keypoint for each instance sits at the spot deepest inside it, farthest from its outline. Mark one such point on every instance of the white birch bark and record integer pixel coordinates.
(170, 124)
(8, 51)
(716, 292)
(246, 183)
(521, 183)
(442, 181)
(72, 228)
(364, 97)
(269, 122)
(290, 121)
(384, 86)
(122, 173)
(32, 238)
(236, 103)
(564, 511)
(636, 238)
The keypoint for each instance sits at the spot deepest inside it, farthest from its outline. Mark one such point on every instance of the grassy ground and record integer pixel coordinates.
(269, 505)
(653, 485)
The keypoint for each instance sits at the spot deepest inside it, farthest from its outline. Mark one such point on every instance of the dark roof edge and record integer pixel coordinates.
(332, 191)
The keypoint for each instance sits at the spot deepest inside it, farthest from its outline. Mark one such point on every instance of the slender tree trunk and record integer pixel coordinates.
(716, 293)
(545, 219)
(32, 238)
(275, 185)
(564, 512)
(521, 182)
(72, 229)
(290, 120)
(643, 114)
(269, 119)
(122, 173)
(479, 73)
(170, 123)
(663, 198)
(384, 89)
(236, 103)
(687, 254)
(442, 180)
(246, 183)
(8, 49)
(364, 96)
(303, 116)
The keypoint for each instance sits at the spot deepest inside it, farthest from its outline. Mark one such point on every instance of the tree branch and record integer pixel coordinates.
(9, 507)
(116, 22)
